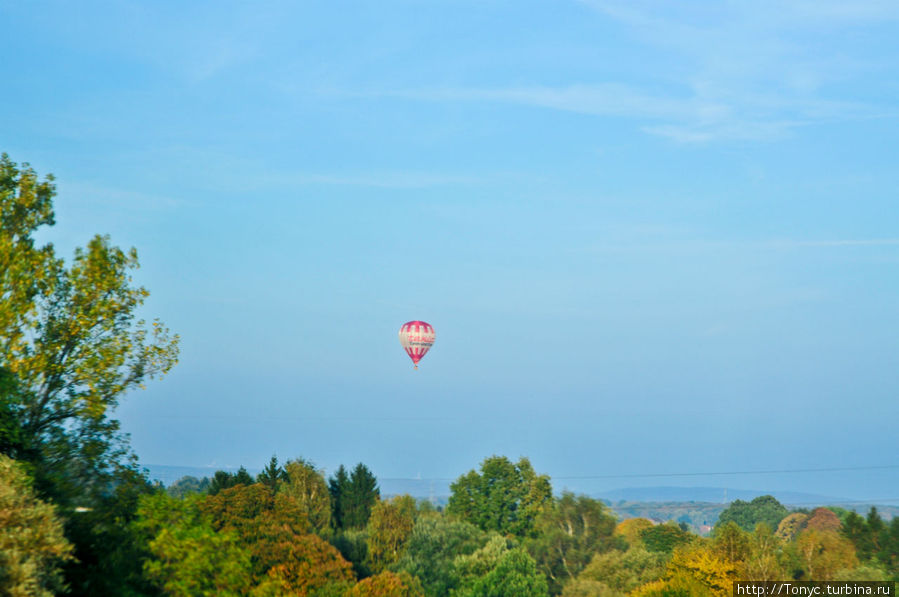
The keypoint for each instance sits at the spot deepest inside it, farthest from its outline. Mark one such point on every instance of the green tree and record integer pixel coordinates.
(71, 346)
(32, 544)
(360, 497)
(665, 537)
(763, 561)
(307, 486)
(568, 532)
(338, 487)
(764, 508)
(498, 570)
(389, 529)
(272, 474)
(188, 557)
(731, 543)
(70, 336)
(624, 571)
(431, 550)
(505, 497)
(187, 485)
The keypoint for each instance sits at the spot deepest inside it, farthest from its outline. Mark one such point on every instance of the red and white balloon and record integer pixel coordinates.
(417, 337)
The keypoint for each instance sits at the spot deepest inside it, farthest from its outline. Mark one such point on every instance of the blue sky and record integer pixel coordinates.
(652, 237)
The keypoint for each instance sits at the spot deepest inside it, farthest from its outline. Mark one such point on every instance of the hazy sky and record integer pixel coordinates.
(652, 237)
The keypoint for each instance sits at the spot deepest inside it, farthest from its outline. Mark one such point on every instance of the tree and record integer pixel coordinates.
(187, 485)
(272, 474)
(32, 544)
(764, 508)
(790, 526)
(568, 532)
(188, 557)
(824, 553)
(664, 537)
(731, 543)
(387, 584)
(389, 529)
(496, 570)
(763, 560)
(306, 564)
(338, 488)
(432, 548)
(307, 486)
(360, 496)
(631, 528)
(823, 519)
(503, 497)
(70, 337)
(624, 571)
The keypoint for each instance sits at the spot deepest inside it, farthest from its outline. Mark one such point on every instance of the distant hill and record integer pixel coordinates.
(711, 495)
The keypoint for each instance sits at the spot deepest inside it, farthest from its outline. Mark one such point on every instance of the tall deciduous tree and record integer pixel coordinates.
(569, 532)
(70, 337)
(504, 497)
(389, 529)
(307, 486)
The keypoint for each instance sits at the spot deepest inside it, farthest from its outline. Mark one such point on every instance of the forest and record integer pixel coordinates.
(79, 516)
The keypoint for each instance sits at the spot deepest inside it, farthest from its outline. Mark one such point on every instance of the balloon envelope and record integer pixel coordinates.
(417, 337)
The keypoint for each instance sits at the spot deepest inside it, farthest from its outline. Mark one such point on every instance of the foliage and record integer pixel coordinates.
(631, 528)
(188, 556)
(338, 486)
(763, 560)
(496, 570)
(109, 554)
(693, 571)
(70, 347)
(874, 540)
(823, 519)
(272, 475)
(70, 338)
(568, 533)
(583, 587)
(824, 553)
(387, 584)
(504, 497)
(623, 571)
(352, 497)
(764, 508)
(664, 537)
(389, 529)
(32, 544)
(432, 547)
(731, 543)
(790, 526)
(308, 488)
(353, 547)
(187, 485)
(304, 564)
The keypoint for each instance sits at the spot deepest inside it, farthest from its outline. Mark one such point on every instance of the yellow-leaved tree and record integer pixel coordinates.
(70, 344)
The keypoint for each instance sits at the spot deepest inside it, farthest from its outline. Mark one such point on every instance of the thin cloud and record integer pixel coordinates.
(743, 77)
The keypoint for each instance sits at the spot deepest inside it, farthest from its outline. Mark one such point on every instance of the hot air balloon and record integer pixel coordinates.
(417, 337)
